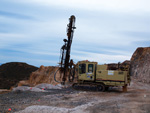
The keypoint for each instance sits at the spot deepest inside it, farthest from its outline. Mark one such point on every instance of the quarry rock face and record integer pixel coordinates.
(13, 72)
(140, 64)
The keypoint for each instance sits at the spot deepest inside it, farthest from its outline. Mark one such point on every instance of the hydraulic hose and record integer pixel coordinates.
(55, 76)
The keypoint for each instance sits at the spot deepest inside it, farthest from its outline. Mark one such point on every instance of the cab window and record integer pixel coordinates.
(82, 68)
(90, 68)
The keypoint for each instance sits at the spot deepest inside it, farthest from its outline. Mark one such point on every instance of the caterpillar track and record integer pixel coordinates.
(90, 87)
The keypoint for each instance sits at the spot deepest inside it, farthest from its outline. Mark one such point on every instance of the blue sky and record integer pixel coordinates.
(108, 31)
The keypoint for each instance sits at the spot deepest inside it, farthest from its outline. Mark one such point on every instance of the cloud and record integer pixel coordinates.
(108, 5)
(33, 61)
(9, 38)
(100, 58)
(14, 15)
(107, 30)
(144, 43)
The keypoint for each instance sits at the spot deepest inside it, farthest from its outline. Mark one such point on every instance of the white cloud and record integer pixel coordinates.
(8, 38)
(108, 5)
(35, 62)
(100, 58)
(6, 35)
(100, 24)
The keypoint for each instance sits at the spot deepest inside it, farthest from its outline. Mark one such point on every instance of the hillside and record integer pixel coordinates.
(11, 73)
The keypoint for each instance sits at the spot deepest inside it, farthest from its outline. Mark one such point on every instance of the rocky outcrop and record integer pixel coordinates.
(11, 73)
(140, 64)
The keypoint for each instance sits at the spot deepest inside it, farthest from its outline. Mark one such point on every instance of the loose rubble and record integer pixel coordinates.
(48, 86)
(68, 100)
(26, 88)
(38, 88)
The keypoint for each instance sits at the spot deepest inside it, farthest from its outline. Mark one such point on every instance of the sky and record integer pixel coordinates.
(107, 31)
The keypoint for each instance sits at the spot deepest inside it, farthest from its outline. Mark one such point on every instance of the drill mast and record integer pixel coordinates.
(65, 63)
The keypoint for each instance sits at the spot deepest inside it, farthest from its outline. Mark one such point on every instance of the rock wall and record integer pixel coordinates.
(140, 64)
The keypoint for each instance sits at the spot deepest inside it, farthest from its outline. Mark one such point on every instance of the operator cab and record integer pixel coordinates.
(86, 70)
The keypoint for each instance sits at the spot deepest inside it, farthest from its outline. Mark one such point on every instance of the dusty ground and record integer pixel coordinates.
(136, 100)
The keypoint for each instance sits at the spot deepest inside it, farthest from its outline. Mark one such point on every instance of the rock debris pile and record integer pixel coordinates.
(39, 88)
(140, 64)
(13, 72)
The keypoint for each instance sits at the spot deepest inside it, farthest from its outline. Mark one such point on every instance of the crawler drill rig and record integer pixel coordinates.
(90, 73)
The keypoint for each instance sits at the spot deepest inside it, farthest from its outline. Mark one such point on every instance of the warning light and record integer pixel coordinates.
(39, 100)
(31, 88)
(9, 109)
(42, 88)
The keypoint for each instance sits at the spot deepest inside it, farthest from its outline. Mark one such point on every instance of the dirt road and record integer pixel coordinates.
(136, 100)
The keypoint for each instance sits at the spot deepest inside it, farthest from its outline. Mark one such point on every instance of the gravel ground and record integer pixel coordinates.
(19, 100)
(136, 100)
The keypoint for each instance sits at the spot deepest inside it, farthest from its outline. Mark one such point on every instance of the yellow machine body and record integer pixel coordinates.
(92, 73)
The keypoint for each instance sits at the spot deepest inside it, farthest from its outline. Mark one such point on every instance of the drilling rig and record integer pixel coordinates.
(90, 73)
(66, 64)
